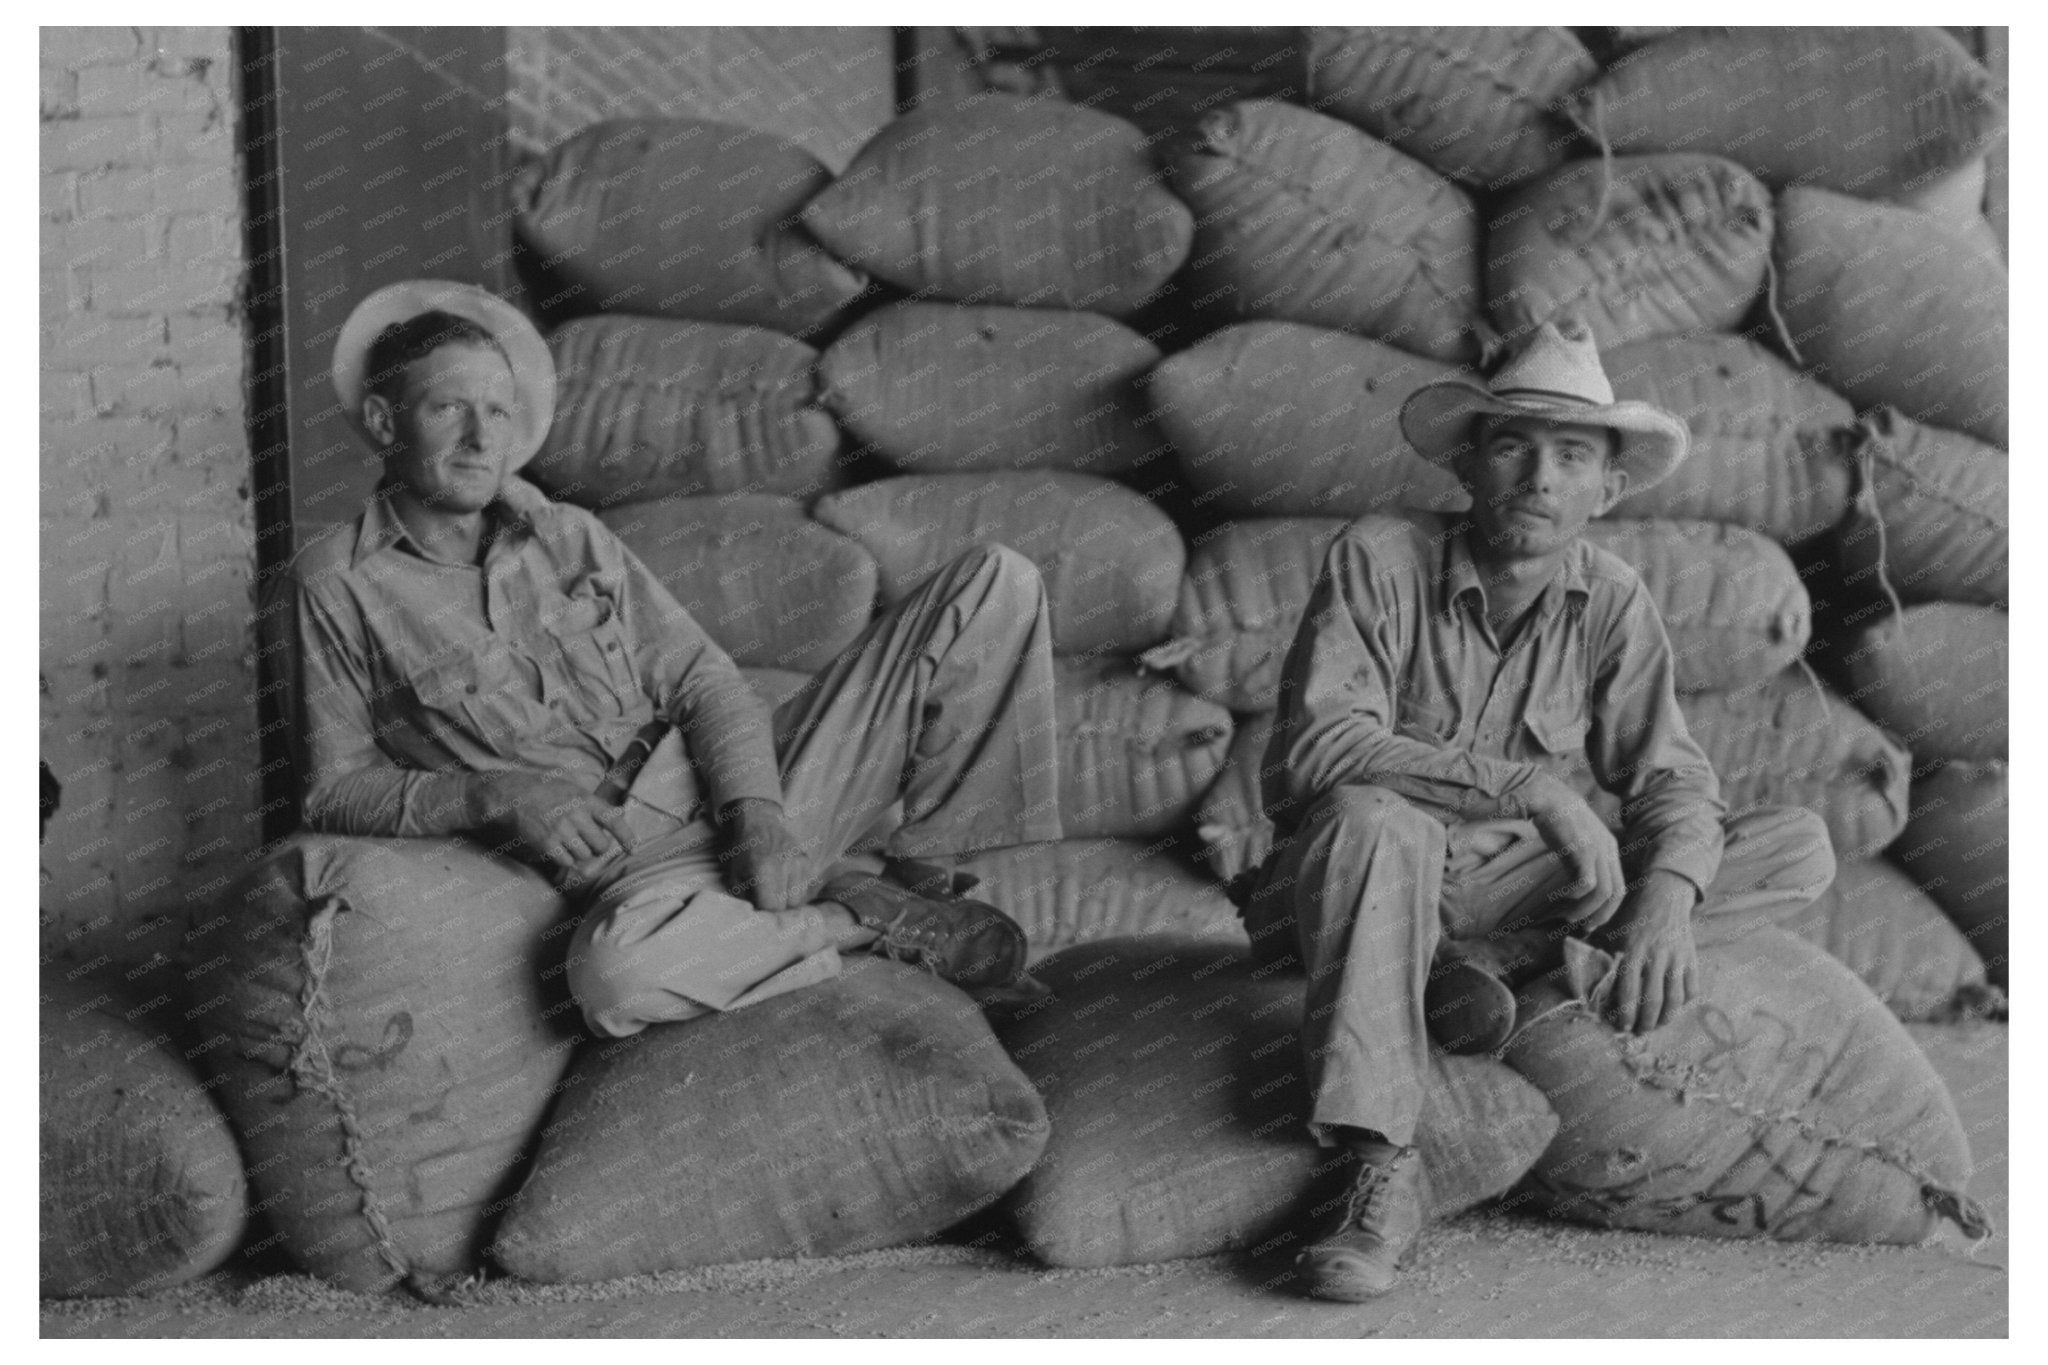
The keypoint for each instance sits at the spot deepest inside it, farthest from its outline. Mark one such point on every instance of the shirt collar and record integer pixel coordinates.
(1461, 575)
(519, 509)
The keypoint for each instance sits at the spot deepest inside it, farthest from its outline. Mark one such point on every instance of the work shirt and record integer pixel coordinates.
(549, 657)
(1396, 680)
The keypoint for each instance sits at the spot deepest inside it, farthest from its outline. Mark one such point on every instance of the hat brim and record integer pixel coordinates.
(533, 367)
(1437, 419)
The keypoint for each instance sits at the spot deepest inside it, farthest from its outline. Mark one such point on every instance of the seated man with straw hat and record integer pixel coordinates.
(474, 659)
(1455, 689)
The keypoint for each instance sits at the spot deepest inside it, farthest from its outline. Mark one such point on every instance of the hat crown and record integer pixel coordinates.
(1558, 364)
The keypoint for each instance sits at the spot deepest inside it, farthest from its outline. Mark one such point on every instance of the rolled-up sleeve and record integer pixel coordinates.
(1338, 705)
(1671, 811)
(350, 785)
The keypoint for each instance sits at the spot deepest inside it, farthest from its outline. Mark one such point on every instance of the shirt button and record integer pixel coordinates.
(470, 688)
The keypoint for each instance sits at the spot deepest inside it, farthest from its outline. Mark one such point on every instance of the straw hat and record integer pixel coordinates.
(533, 369)
(1556, 375)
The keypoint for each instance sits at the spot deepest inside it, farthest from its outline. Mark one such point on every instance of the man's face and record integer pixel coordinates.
(1535, 483)
(449, 436)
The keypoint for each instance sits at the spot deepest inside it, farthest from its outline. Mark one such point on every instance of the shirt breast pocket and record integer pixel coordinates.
(592, 639)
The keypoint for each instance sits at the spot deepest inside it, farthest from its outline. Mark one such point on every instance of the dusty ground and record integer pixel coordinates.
(1481, 1275)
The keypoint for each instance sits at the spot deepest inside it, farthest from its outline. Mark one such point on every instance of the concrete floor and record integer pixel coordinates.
(1483, 1275)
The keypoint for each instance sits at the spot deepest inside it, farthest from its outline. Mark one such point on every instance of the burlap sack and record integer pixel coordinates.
(683, 218)
(392, 1021)
(937, 388)
(1864, 110)
(1136, 752)
(999, 199)
(1765, 450)
(1783, 1101)
(1792, 742)
(1474, 104)
(651, 408)
(1302, 218)
(868, 1111)
(1891, 306)
(1957, 846)
(1935, 677)
(1173, 1078)
(1933, 517)
(1110, 559)
(1876, 922)
(773, 588)
(1275, 419)
(1636, 247)
(141, 1185)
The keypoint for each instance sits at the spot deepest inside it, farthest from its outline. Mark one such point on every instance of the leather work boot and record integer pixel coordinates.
(1361, 1254)
(967, 942)
(1468, 1008)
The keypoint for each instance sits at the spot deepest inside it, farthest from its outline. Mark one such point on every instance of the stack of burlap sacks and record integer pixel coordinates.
(1168, 370)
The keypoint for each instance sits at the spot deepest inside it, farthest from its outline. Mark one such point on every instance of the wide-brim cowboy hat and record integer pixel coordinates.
(533, 368)
(1556, 375)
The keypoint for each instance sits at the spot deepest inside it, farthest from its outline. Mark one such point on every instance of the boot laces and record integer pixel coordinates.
(1368, 1191)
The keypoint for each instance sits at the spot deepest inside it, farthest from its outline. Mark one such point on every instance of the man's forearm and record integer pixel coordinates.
(380, 802)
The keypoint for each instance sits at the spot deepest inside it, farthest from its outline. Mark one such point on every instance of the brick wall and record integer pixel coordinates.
(147, 540)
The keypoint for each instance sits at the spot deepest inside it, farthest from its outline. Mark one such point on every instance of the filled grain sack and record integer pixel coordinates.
(1791, 742)
(1136, 752)
(1933, 512)
(1876, 922)
(390, 1023)
(1766, 450)
(1892, 306)
(1864, 110)
(1783, 1101)
(1232, 824)
(1635, 247)
(996, 198)
(1956, 846)
(1173, 1077)
(871, 1110)
(1111, 560)
(1957, 198)
(772, 587)
(650, 408)
(1277, 419)
(141, 1183)
(1302, 218)
(1731, 600)
(1935, 676)
(683, 218)
(938, 387)
(1476, 105)
(1072, 891)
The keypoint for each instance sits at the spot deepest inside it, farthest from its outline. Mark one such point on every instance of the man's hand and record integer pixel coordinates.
(763, 855)
(1659, 969)
(571, 828)
(1575, 834)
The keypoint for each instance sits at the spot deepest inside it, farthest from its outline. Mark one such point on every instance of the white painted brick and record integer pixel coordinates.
(64, 394)
(59, 93)
(205, 237)
(139, 89)
(181, 138)
(80, 47)
(210, 44)
(90, 340)
(171, 188)
(166, 287)
(87, 143)
(59, 194)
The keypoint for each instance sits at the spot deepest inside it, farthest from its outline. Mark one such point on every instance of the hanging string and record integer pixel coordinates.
(1771, 309)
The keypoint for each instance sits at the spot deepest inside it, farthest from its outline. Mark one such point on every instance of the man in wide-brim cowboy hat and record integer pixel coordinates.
(1457, 686)
(476, 659)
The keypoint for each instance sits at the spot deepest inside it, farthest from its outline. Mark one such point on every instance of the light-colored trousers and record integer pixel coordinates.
(1369, 882)
(940, 714)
